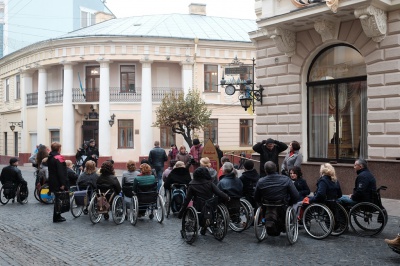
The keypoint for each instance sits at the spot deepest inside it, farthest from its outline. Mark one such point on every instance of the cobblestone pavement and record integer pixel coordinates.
(28, 237)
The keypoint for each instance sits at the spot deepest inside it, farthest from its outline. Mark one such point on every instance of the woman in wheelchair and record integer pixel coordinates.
(88, 177)
(233, 187)
(108, 181)
(328, 187)
(145, 178)
(179, 175)
(201, 189)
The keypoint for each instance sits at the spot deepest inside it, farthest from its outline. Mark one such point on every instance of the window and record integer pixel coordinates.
(54, 136)
(127, 79)
(87, 19)
(7, 96)
(211, 78)
(17, 87)
(167, 137)
(246, 132)
(337, 105)
(16, 144)
(211, 132)
(125, 133)
(5, 144)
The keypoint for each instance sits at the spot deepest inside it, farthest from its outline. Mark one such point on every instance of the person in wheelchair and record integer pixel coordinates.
(108, 181)
(328, 187)
(365, 185)
(145, 178)
(43, 174)
(249, 179)
(129, 176)
(233, 187)
(88, 177)
(274, 188)
(179, 175)
(11, 175)
(201, 188)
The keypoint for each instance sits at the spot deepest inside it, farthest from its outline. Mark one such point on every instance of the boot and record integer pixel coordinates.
(394, 242)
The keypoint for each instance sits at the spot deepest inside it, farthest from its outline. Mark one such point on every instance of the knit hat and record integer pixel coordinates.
(248, 165)
(270, 141)
(196, 142)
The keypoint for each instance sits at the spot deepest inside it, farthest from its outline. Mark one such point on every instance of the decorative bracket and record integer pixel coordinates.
(373, 21)
(328, 30)
(285, 40)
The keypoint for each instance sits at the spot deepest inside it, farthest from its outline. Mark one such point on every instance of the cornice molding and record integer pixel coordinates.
(373, 21)
(285, 40)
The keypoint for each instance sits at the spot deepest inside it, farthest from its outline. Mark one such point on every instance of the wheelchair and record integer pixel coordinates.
(322, 220)
(102, 202)
(45, 196)
(11, 191)
(244, 217)
(80, 200)
(369, 219)
(269, 221)
(218, 225)
(174, 198)
(146, 200)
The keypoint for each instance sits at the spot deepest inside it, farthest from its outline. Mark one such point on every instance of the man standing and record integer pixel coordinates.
(157, 157)
(92, 152)
(365, 185)
(269, 151)
(57, 177)
(12, 175)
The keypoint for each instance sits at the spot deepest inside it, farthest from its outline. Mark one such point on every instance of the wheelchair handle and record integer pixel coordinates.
(381, 188)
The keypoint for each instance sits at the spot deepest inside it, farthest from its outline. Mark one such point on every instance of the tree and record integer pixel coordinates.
(183, 114)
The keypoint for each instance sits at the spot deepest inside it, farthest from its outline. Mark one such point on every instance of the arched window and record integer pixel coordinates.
(337, 105)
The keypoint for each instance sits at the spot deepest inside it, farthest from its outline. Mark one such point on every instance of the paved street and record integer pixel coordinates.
(28, 237)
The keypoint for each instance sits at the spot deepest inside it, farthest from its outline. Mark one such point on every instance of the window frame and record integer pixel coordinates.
(128, 89)
(7, 90)
(210, 88)
(168, 141)
(52, 138)
(125, 146)
(208, 130)
(18, 87)
(243, 126)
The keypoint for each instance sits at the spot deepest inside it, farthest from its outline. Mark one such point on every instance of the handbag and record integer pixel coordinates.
(62, 201)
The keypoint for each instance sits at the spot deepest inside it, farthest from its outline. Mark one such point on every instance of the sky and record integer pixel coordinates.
(243, 9)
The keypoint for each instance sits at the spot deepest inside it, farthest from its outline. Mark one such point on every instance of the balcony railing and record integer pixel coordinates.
(55, 96)
(91, 95)
(118, 95)
(159, 93)
(31, 99)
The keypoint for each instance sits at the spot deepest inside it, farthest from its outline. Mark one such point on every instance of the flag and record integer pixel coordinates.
(250, 109)
(80, 85)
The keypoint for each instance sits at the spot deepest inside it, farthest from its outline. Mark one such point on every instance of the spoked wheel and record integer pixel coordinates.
(36, 193)
(118, 210)
(94, 216)
(76, 210)
(243, 220)
(167, 202)
(318, 221)
(250, 210)
(3, 198)
(259, 228)
(190, 225)
(134, 211)
(219, 226)
(45, 195)
(159, 209)
(341, 221)
(22, 194)
(292, 226)
(367, 219)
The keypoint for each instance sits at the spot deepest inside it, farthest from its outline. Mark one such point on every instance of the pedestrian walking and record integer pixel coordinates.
(157, 157)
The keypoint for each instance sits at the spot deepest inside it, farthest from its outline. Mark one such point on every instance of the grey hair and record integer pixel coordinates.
(362, 162)
(227, 167)
(270, 167)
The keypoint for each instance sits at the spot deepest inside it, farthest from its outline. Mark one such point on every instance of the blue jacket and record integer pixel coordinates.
(326, 190)
(302, 187)
(364, 187)
(231, 186)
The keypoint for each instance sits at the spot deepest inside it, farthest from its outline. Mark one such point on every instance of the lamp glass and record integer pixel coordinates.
(12, 127)
(111, 122)
(245, 102)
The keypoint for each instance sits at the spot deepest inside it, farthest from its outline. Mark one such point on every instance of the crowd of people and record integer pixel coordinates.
(287, 185)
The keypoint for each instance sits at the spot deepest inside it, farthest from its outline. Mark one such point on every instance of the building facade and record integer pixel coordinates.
(106, 81)
(331, 70)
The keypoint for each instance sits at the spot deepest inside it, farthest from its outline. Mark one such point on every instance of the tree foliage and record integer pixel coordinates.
(183, 114)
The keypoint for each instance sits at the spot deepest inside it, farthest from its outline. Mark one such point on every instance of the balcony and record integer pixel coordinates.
(31, 99)
(55, 96)
(91, 95)
(159, 93)
(131, 95)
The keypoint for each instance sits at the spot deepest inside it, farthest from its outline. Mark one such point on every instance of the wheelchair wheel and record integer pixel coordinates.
(160, 210)
(318, 221)
(118, 210)
(219, 226)
(292, 226)
(167, 199)
(250, 210)
(134, 211)
(93, 215)
(190, 225)
(22, 196)
(3, 198)
(243, 221)
(341, 222)
(76, 210)
(259, 228)
(36, 194)
(44, 195)
(367, 219)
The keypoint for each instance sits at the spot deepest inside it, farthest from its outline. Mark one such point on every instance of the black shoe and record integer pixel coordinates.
(106, 216)
(203, 231)
(59, 219)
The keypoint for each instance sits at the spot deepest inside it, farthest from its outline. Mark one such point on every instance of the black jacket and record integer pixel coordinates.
(231, 185)
(57, 171)
(326, 190)
(157, 157)
(11, 174)
(365, 185)
(302, 187)
(276, 187)
(92, 154)
(249, 180)
(269, 155)
(108, 182)
(71, 177)
(178, 175)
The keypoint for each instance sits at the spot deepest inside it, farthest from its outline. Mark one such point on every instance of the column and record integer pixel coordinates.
(26, 87)
(68, 125)
(104, 109)
(41, 109)
(146, 114)
(187, 76)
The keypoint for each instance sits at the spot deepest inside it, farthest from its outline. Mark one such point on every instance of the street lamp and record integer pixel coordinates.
(111, 121)
(13, 124)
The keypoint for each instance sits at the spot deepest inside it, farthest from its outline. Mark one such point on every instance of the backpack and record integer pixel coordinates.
(178, 196)
(207, 212)
(103, 206)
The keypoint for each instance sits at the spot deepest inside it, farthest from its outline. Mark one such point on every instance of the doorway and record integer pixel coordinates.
(90, 130)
